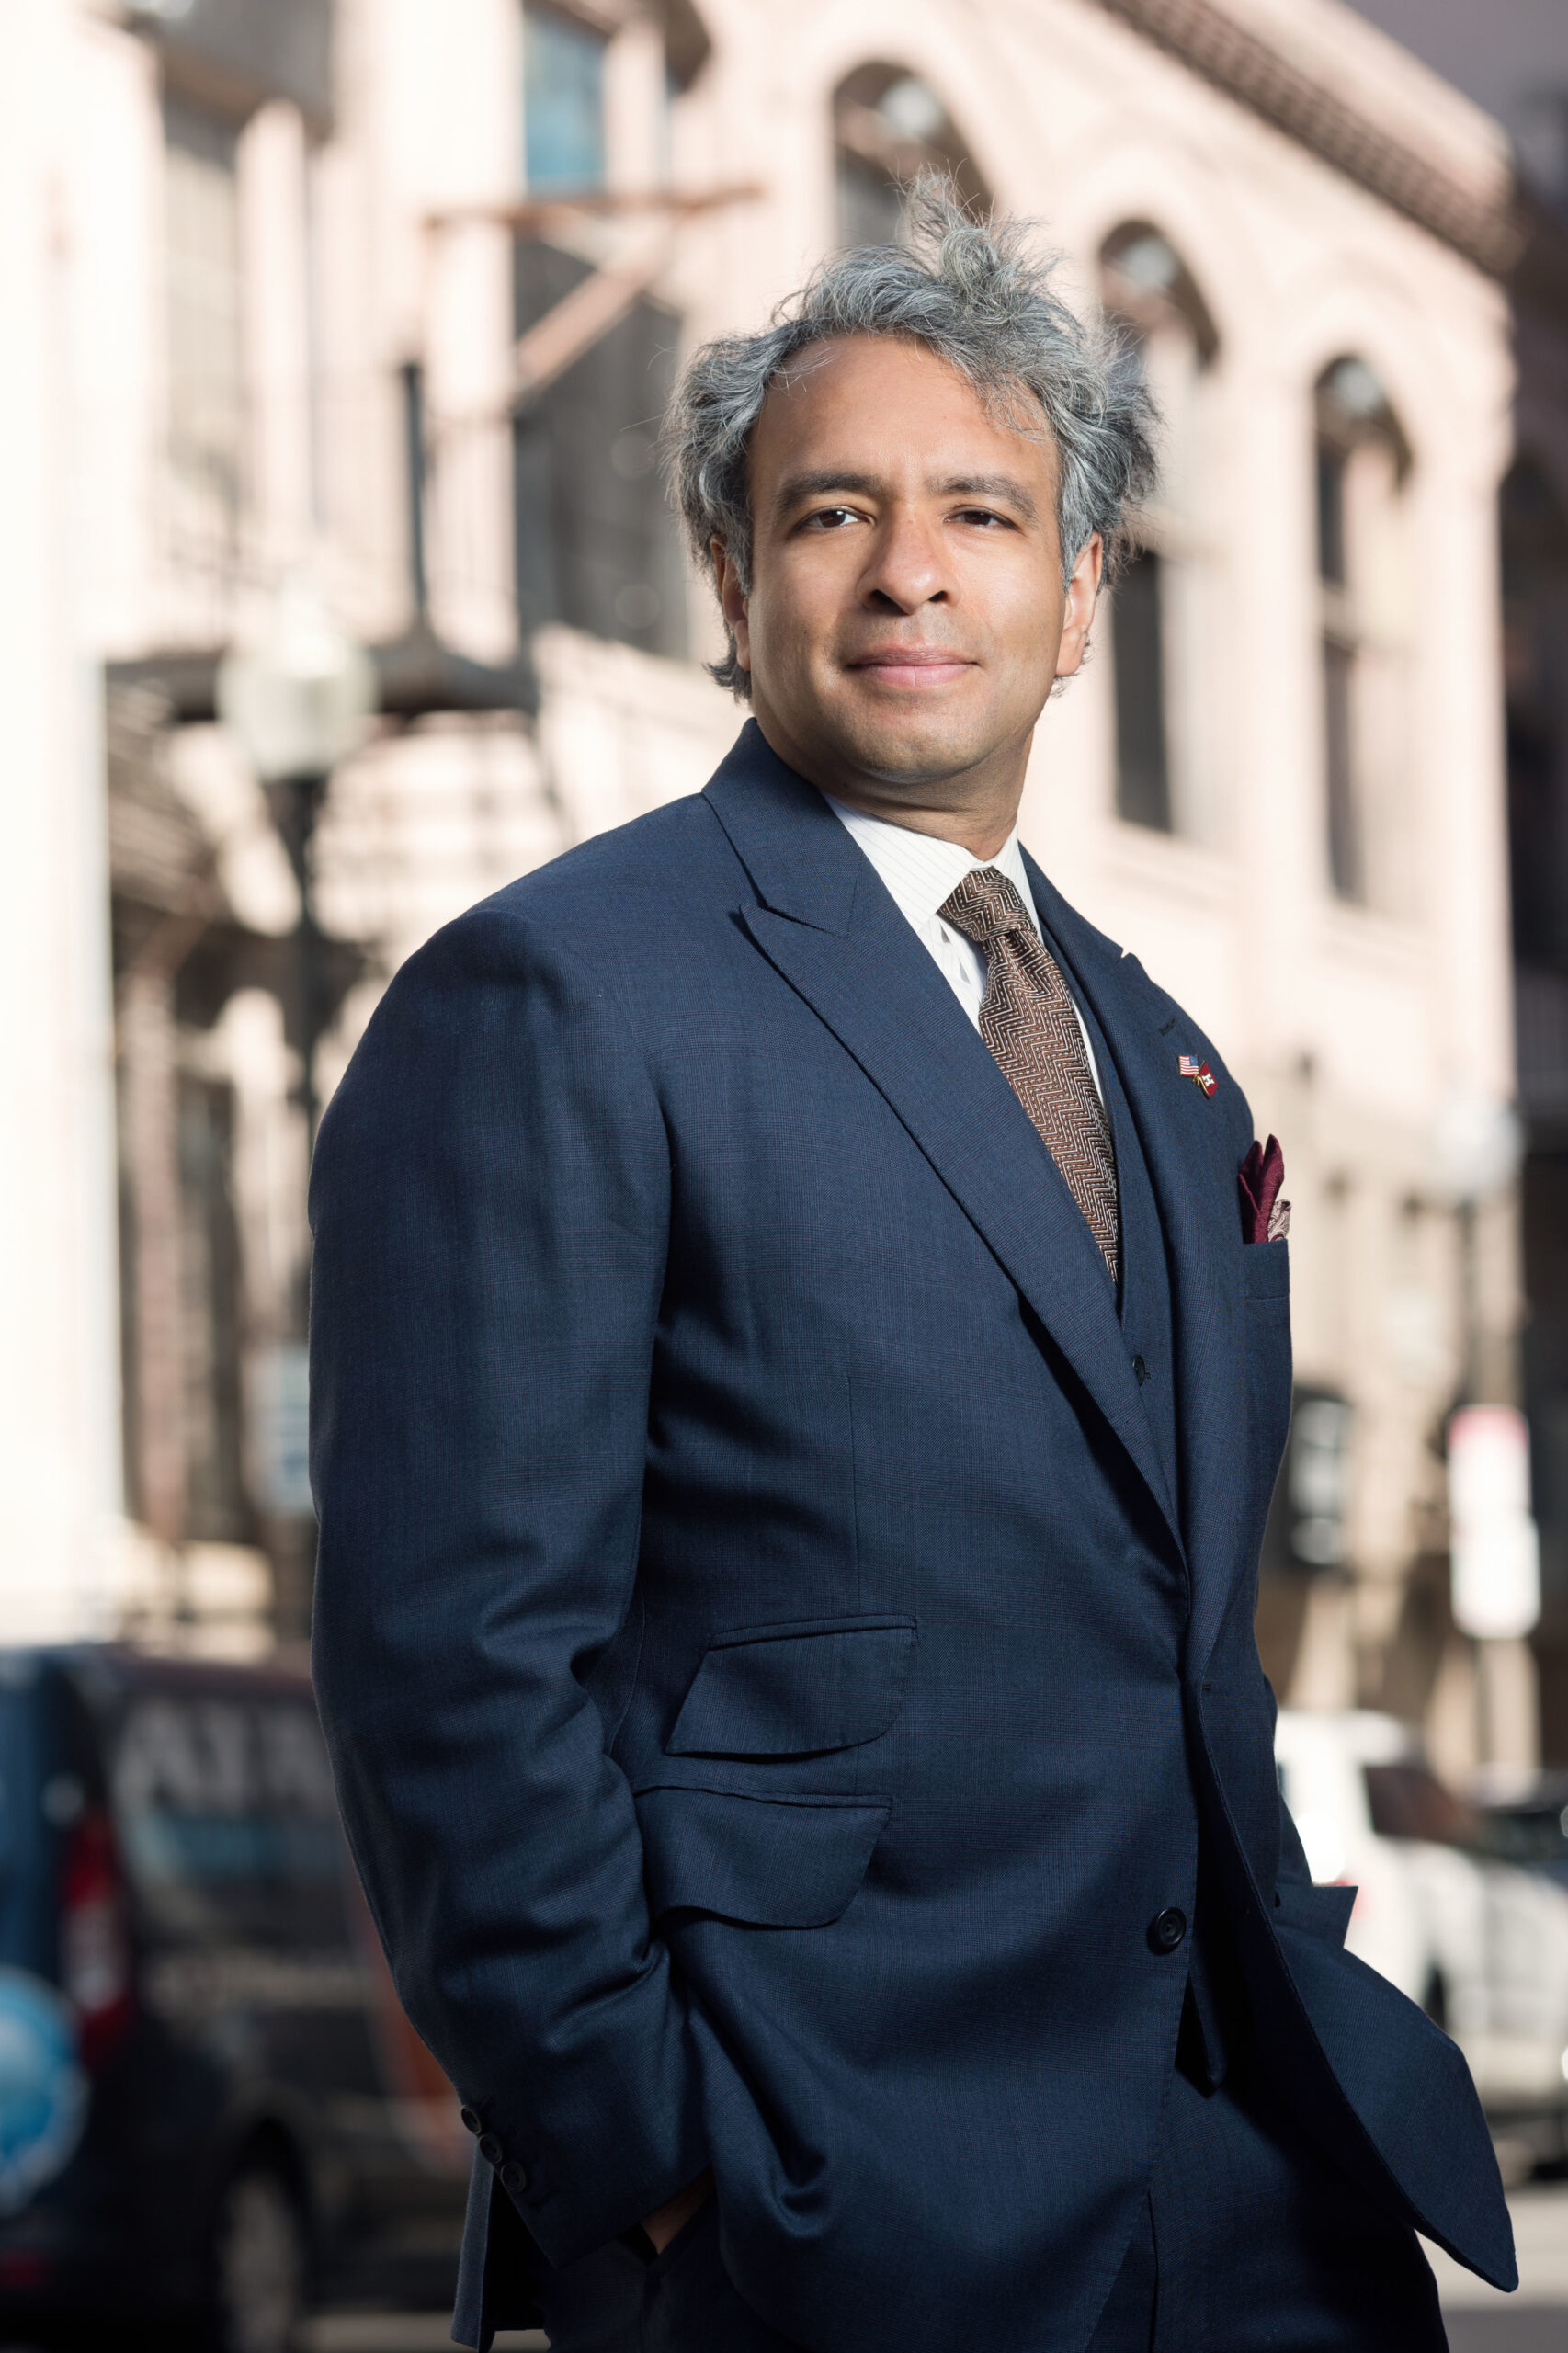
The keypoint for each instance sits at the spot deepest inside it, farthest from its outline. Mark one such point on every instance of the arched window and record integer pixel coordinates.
(1535, 669)
(1166, 764)
(888, 126)
(1363, 463)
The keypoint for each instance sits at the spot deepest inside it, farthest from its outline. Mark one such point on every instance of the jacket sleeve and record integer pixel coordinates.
(490, 1205)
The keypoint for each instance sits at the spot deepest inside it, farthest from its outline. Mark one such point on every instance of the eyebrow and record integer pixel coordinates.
(1003, 487)
(818, 482)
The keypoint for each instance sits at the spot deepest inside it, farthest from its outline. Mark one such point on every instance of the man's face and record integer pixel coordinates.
(905, 618)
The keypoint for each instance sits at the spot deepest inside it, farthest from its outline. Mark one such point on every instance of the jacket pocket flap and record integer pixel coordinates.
(796, 1690)
(1266, 1270)
(1321, 1911)
(774, 1862)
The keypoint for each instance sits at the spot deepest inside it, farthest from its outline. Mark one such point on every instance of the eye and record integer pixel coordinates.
(831, 518)
(985, 516)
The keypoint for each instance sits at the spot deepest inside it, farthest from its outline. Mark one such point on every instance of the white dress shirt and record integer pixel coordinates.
(920, 874)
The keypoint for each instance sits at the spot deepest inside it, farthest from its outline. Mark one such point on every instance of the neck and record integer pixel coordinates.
(983, 835)
(977, 808)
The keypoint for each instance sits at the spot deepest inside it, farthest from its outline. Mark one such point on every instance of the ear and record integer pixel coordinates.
(1083, 595)
(731, 601)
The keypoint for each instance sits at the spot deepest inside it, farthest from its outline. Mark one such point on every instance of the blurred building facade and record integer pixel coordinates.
(394, 293)
(1513, 57)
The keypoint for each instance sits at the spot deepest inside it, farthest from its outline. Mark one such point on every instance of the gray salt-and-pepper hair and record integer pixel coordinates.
(978, 294)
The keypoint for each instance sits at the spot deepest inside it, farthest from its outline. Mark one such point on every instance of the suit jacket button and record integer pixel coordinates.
(514, 2176)
(490, 2148)
(1140, 1371)
(1167, 1929)
(471, 2118)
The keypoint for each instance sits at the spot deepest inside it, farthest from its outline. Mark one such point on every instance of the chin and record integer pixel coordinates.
(917, 748)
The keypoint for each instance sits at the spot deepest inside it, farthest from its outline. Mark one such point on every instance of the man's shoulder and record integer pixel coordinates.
(619, 897)
(678, 853)
(607, 926)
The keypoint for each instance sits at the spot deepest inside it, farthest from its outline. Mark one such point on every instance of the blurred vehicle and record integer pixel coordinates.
(1481, 1944)
(1527, 1823)
(212, 2109)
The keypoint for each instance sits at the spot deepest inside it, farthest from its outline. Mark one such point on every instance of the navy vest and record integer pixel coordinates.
(1144, 1306)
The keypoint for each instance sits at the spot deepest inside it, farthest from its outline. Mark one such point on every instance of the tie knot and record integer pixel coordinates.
(983, 904)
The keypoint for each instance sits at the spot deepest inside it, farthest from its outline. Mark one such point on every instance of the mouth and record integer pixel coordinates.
(919, 667)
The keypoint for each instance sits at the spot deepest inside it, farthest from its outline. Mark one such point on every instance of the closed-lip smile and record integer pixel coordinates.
(912, 665)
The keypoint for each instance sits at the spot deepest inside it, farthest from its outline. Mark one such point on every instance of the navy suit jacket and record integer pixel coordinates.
(775, 1673)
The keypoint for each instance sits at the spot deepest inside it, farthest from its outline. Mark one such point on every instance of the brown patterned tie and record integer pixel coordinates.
(1027, 1021)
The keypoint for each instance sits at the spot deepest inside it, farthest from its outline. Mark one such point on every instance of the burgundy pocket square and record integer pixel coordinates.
(1264, 1217)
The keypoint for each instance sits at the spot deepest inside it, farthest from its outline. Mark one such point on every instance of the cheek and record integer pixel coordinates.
(1013, 593)
(1025, 641)
(1030, 611)
(794, 607)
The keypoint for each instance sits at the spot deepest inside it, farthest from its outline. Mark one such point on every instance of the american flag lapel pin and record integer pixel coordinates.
(1199, 1071)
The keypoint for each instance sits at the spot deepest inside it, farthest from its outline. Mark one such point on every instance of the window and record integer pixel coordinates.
(1142, 756)
(1534, 632)
(1409, 1802)
(1362, 461)
(206, 345)
(252, 49)
(888, 126)
(596, 545)
(1167, 760)
(1345, 863)
(227, 1822)
(563, 108)
(686, 46)
(1331, 514)
(210, 1313)
(1526, 1834)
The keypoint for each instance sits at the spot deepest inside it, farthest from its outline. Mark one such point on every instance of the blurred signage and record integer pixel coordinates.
(1495, 1550)
(281, 1427)
(1306, 1526)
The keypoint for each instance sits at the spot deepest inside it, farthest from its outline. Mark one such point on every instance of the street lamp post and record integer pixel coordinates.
(297, 700)
(296, 803)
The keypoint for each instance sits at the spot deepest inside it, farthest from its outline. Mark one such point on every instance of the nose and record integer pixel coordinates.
(906, 568)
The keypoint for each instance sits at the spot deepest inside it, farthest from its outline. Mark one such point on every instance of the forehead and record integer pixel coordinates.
(884, 404)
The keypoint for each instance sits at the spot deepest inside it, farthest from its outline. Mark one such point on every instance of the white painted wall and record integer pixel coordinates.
(59, 1451)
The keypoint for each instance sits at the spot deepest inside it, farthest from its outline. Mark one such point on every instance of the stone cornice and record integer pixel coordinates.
(1210, 41)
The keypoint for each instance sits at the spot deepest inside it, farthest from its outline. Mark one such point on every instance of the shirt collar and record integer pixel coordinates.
(921, 872)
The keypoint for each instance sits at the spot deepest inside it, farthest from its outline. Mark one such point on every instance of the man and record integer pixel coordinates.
(800, 1371)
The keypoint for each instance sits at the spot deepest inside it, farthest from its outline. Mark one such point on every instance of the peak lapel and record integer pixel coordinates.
(831, 930)
(1184, 1135)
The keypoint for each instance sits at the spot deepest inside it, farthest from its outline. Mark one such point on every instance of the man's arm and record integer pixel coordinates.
(490, 1205)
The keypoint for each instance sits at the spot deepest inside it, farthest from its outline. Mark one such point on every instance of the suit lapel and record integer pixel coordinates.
(828, 927)
(1184, 1136)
